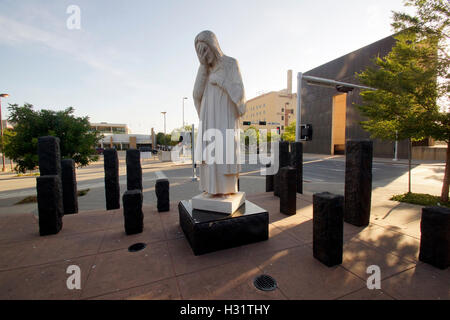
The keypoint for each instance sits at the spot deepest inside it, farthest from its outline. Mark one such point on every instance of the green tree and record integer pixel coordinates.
(411, 80)
(289, 132)
(77, 140)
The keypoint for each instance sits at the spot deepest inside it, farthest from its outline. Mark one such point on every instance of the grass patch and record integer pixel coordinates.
(32, 199)
(36, 174)
(421, 199)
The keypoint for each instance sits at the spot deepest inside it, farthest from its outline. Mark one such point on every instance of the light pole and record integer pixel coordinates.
(3, 95)
(164, 113)
(184, 98)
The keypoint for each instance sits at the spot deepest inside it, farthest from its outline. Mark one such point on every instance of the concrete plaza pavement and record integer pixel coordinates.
(33, 267)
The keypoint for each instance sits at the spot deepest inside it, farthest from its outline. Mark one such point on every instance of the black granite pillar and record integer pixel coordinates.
(69, 185)
(283, 161)
(162, 195)
(269, 179)
(132, 211)
(328, 228)
(49, 156)
(288, 190)
(435, 237)
(112, 185)
(358, 182)
(297, 163)
(50, 204)
(134, 170)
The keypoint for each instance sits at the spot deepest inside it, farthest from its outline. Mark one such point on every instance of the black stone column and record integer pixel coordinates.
(50, 204)
(112, 185)
(435, 237)
(132, 211)
(288, 190)
(283, 161)
(297, 163)
(69, 185)
(49, 156)
(162, 195)
(269, 180)
(328, 228)
(134, 170)
(358, 182)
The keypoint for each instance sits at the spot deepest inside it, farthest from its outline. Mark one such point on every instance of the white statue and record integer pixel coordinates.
(220, 101)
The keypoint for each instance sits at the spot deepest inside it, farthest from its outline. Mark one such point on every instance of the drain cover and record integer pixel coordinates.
(136, 247)
(265, 283)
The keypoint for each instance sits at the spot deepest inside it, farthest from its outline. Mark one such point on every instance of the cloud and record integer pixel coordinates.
(81, 48)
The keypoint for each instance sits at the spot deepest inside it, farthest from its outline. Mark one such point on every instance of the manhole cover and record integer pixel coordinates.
(265, 283)
(136, 247)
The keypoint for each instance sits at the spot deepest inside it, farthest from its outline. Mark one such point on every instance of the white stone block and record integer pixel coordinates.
(219, 203)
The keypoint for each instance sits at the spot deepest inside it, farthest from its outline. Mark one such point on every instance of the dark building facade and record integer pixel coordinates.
(333, 116)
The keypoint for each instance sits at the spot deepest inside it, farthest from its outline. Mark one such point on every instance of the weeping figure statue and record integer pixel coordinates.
(219, 99)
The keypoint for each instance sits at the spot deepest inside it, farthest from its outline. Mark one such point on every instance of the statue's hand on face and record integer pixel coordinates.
(205, 54)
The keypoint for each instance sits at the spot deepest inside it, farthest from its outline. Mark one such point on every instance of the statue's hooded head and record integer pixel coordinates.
(209, 38)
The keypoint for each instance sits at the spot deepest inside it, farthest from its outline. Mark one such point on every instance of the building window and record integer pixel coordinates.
(282, 117)
(282, 127)
(282, 109)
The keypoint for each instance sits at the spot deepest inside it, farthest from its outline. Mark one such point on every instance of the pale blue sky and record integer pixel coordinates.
(133, 59)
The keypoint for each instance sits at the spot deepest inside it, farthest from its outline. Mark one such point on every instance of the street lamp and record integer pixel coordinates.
(164, 113)
(184, 98)
(3, 95)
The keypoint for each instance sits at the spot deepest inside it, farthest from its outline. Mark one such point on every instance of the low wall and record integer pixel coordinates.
(437, 153)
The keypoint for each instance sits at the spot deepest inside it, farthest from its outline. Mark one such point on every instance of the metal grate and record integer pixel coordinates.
(137, 247)
(265, 283)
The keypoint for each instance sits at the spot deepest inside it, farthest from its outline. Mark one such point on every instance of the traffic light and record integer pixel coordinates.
(247, 123)
(305, 132)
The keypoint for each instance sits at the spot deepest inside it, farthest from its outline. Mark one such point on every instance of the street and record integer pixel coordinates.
(321, 173)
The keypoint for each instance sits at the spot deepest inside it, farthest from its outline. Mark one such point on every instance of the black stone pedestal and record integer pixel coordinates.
(49, 156)
(69, 185)
(132, 211)
(112, 185)
(162, 195)
(297, 163)
(435, 237)
(358, 182)
(209, 231)
(134, 170)
(50, 204)
(283, 161)
(328, 228)
(288, 190)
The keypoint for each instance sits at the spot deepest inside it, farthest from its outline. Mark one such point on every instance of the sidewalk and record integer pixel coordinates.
(33, 267)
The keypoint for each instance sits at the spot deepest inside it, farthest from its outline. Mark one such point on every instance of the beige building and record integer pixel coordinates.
(272, 110)
(105, 127)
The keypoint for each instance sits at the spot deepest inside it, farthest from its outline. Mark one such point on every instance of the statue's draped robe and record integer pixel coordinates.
(219, 107)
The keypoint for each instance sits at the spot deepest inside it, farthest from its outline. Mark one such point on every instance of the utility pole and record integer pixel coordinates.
(184, 98)
(3, 95)
(165, 143)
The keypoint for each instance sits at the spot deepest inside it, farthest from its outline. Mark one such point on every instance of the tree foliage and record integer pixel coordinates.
(289, 132)
(412, 81)
(77, 140)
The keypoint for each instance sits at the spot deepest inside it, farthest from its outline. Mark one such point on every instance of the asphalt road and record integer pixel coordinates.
(321, 173)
